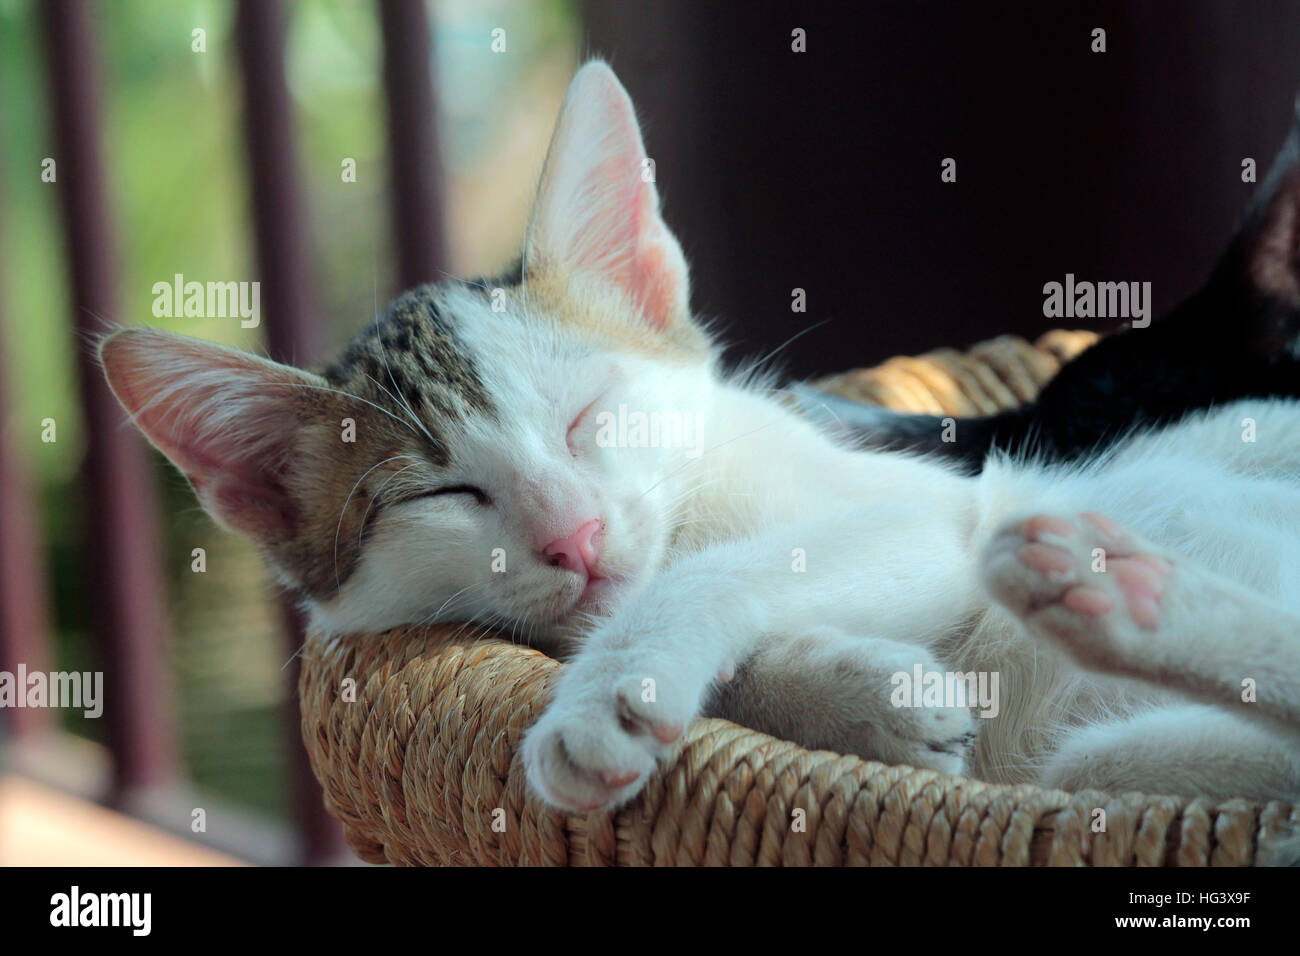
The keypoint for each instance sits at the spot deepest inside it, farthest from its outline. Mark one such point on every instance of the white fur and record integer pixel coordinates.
(781, 578)
(597, 210)
(805, 570)
(705, 548)
(893, 547)
(432, 559)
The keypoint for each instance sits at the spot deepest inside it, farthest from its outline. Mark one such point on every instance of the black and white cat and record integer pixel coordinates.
(1237, 337)
(577, 470)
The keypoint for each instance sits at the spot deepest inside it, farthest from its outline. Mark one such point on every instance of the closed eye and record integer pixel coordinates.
(568, 436)
(478, 494)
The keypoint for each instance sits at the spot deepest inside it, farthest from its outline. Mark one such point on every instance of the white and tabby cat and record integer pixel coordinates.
(765, 572)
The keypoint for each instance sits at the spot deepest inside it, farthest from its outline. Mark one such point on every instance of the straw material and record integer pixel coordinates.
(991, 377)
(415, 735)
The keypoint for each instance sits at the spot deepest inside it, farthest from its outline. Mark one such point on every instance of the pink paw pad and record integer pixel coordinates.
(1034, 528)
(1090, 602)
(1103, 524)
(617, 778)
(665, 733)
(1049, 561)
(1141, 579)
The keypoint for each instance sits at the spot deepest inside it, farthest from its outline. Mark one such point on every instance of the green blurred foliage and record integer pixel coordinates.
(175, 169)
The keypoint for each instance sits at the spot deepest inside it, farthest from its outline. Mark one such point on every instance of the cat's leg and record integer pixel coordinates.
(826, 690)
(1186, 750)
(1121, 606)
(643, 674)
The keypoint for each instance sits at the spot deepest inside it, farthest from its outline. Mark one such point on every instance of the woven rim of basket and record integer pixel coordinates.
(414, 736)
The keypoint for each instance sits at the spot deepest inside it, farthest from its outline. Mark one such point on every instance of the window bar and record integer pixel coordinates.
(24, 616)
(413, 152)
(124, 585)
(291, 329)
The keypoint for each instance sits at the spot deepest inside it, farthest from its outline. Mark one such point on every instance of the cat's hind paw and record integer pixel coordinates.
(857, 700)
(1083, 582)
(828, 690)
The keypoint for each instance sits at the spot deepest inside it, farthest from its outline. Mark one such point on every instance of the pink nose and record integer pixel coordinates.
(578, 551)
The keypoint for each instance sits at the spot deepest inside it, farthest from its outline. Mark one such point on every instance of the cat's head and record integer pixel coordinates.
(1257, 281)
(497, 450)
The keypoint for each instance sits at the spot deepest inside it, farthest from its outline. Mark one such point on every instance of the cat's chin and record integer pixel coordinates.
(596, 600)
(595, 595)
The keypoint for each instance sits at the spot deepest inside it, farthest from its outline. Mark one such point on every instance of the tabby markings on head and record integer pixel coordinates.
(413, 352)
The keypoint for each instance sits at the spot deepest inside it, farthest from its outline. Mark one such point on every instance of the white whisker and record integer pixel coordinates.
(373, 497)
(338, 584)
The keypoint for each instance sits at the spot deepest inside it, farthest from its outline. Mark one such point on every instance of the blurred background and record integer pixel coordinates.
(221, 155)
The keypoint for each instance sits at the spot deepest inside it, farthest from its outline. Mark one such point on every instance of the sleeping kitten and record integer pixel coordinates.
(1237, 337)
(527, 468)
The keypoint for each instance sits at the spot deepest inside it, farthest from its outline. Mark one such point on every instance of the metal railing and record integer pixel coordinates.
(127, 597)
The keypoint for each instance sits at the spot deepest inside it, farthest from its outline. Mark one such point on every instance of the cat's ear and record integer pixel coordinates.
(1265, 253)
(597, 209)
(227, 419)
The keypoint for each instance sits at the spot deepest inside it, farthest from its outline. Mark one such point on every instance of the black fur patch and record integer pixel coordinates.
(413, 352)
(1238, 337)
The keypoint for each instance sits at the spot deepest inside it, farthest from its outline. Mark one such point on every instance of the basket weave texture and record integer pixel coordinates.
(414, 735)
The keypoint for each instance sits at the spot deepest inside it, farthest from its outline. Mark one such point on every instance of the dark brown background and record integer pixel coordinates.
(821, 170)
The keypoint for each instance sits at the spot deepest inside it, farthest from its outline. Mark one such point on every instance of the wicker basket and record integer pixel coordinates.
(415, 739)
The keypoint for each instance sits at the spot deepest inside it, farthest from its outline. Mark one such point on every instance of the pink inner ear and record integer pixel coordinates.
(595, 212)
(255, 506)
(204, 450)
(1272, 261)
(657, 284)
(226, 419)
(634, 247)
(238, 482)
(635, 244)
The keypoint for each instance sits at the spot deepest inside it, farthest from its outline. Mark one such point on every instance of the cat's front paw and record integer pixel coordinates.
(614, 716)
(1083, 582)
